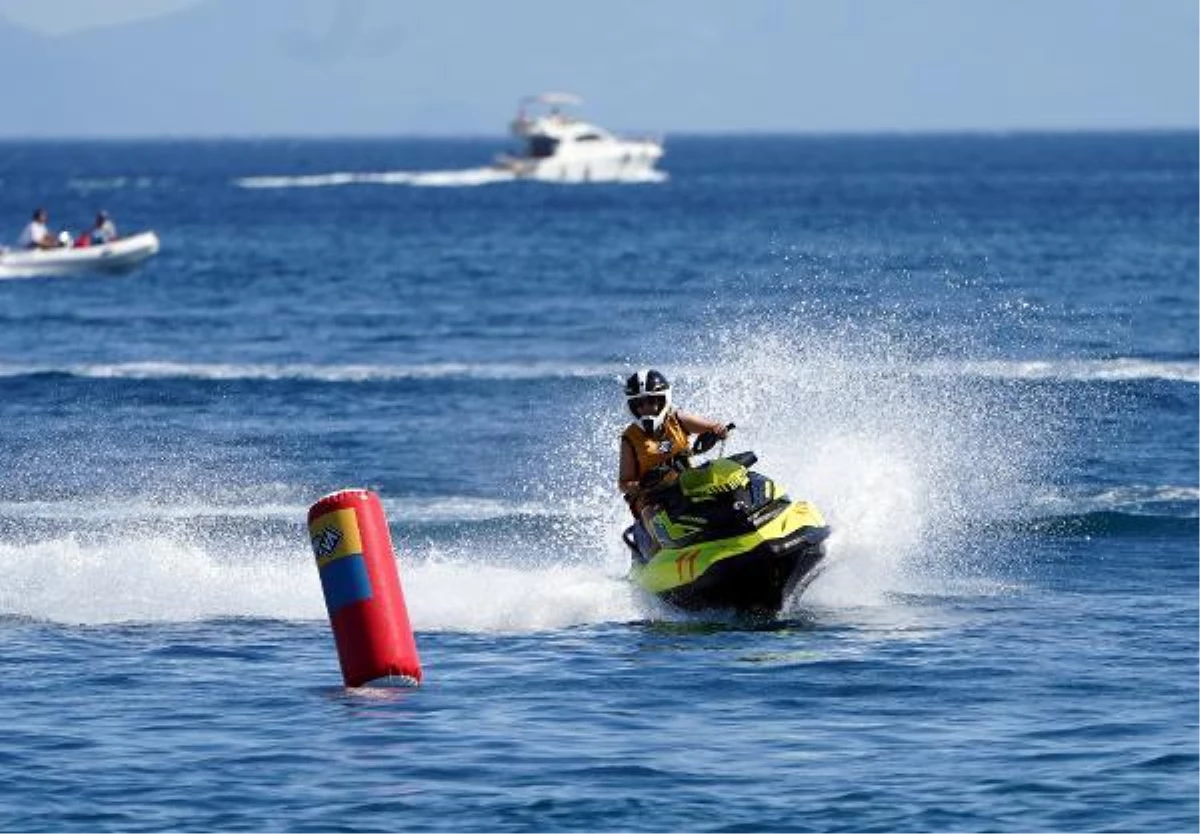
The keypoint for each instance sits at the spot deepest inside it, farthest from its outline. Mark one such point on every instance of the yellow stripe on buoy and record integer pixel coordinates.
(334, 536)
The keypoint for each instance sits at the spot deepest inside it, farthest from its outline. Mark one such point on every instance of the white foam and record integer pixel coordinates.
(87, 185)
(315, 373)
(462, 178)
(1109, 370)
(149, 579)
(1148, 494)
(1130, 498)
(1113, 370)
(162, 579)
(473, 597)
(145, 509)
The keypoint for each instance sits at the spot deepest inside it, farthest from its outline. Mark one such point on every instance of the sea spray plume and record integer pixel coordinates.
(150, 578)
(141, 526)
(581, 472)
(905, 467)
(545, 561)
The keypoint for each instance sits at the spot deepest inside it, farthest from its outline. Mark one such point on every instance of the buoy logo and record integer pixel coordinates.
(325, 542)
(335, 536)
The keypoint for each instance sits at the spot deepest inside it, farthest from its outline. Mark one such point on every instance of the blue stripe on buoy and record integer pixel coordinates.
(344, 581)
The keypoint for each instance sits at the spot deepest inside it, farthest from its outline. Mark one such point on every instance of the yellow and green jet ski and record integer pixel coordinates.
(720, 535)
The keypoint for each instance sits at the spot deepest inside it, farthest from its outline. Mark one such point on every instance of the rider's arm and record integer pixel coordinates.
(699, 425)
(627, 480)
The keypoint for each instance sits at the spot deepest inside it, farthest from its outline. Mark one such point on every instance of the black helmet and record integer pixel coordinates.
(648, 386)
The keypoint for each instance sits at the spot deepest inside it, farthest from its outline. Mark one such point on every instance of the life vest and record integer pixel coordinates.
(652, 450)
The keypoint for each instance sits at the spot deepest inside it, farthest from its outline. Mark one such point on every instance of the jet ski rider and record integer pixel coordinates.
(658, 436)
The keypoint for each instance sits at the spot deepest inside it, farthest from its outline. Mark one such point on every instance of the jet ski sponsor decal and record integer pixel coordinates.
(687, 557)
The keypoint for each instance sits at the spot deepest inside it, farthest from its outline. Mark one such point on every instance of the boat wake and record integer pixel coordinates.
(467, 565)
(464, 178)
(165, 577)
(556, 146)
(460, 179)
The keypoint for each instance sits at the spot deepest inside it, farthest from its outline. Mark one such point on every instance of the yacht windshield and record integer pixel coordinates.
(541, 147)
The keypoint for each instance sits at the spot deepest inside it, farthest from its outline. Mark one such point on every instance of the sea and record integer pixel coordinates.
(976, 354)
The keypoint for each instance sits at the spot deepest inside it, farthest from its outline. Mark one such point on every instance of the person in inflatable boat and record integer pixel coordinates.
(36, 234)
(103, 231)
(659, 436)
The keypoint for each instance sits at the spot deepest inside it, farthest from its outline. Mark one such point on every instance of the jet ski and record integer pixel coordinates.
(720, 535)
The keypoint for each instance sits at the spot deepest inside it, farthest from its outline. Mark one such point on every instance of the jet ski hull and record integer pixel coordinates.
(759, 581)
(753, 572)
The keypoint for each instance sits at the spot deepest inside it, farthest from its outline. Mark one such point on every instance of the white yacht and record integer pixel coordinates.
(562, 147)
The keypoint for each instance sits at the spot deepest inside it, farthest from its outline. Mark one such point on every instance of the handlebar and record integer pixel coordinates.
(660, 476)
(708, 439)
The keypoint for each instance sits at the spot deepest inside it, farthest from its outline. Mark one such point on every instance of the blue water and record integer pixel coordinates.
(976, 354)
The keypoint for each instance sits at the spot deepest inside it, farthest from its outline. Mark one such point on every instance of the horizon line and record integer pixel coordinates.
(685, 134)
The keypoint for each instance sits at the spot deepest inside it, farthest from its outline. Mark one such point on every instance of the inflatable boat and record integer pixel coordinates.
(120, 255)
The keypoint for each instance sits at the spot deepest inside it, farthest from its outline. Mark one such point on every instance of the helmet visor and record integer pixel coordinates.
(647, 405)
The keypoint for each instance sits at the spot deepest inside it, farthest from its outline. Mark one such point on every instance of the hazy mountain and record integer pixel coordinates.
(251, 67)
(231, 66)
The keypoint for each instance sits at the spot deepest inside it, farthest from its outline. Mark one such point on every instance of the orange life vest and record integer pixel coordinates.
(651, 450)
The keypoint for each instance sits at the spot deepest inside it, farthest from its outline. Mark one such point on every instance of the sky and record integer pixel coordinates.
(457, 67)
(58, 17)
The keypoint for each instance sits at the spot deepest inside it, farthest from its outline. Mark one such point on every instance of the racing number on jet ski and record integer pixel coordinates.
(687, 557)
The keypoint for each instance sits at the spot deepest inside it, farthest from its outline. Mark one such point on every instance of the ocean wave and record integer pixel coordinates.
(435, 510)
(1129, 510)
(1111, 523)
(1080, 370)
(1113, 370)
(1164, 500)
(1151, 498)
(267, 371)
(87, 185)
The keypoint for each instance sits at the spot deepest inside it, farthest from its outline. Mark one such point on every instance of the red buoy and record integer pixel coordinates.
(366, 607)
